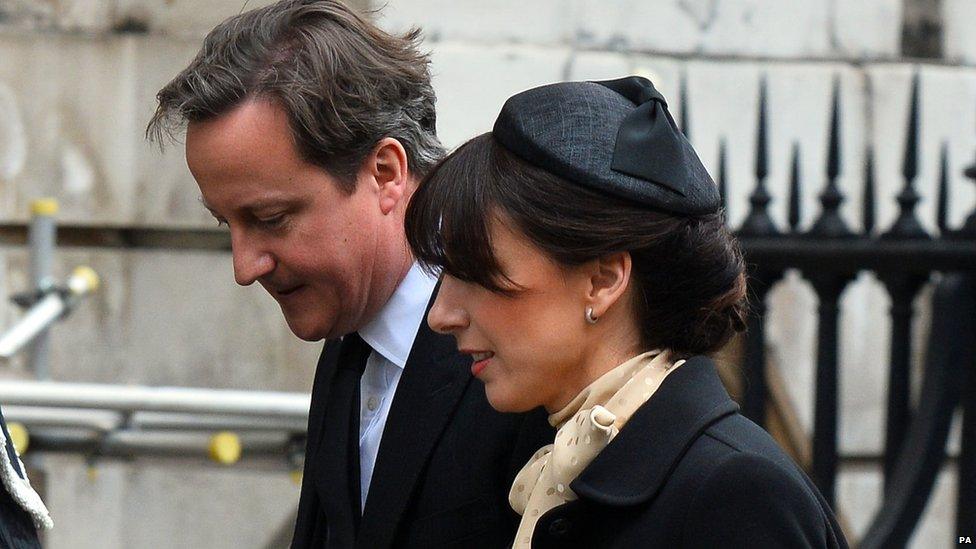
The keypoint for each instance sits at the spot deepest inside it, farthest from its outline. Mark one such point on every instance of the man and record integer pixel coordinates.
(307, 130)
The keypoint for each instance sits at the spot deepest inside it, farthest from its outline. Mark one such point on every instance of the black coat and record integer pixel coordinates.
(688, 471)
(16, 527)
(445, 464)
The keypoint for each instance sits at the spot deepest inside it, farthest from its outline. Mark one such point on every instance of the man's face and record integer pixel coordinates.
(323, 255)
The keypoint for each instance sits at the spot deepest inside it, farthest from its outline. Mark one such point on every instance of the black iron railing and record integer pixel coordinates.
(904, 257)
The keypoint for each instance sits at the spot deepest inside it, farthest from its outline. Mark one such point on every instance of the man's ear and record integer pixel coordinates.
(609, 280)
(387, 169)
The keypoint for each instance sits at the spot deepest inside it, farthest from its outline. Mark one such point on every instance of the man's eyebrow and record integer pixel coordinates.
(257, 205)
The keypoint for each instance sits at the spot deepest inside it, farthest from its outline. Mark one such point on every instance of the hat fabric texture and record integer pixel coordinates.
(614, 136)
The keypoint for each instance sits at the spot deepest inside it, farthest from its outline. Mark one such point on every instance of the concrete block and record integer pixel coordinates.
(958, 38)
(170, 17)
(599, 65)
(165, 192)
(665, 72)
(70, 96)
(70, 15)
(89, 510)
(152, 504)
(73, 112)
(764, 28)
(867, 29)
(170, 318)
(473, 82)
(181, 18)
(507, 21)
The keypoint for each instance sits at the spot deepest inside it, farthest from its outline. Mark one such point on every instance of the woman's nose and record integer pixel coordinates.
(446, 315)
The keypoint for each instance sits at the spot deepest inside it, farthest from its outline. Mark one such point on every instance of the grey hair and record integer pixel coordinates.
(344, 83)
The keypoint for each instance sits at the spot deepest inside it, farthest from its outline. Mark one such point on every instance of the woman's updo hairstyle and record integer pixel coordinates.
(688, 274)
(584, 170)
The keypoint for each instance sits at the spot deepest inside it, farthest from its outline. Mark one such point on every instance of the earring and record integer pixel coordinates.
(590, 319)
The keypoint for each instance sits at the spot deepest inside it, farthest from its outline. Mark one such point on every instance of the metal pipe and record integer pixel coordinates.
(155, 399)
(42, 236)
(51, 307)
(171, 421)
(131, 443)
(33, 325)
(39, 417)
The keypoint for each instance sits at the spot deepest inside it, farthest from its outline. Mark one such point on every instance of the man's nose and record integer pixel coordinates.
(446, 315)
(251, 261)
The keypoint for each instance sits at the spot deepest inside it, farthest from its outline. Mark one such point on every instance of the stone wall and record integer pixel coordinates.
(77, 80)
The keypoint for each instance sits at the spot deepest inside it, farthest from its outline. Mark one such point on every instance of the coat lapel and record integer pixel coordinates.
(432, 383)
(329, 482)
(657, 436)
(308, 530)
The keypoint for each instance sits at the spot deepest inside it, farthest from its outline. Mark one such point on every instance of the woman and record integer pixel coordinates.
(586, 268)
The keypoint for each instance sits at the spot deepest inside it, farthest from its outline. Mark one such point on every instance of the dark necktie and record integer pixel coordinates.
(340, 435)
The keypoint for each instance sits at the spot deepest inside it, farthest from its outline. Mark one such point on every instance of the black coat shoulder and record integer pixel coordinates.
(748, 493)
(688, 470)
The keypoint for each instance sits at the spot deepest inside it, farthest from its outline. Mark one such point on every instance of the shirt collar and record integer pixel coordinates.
(392, 331)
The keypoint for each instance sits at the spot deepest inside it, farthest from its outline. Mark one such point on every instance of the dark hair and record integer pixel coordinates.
(688, 272)
(344, 83)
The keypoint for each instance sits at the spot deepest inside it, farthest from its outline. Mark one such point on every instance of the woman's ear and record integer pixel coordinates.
(387, 169)
(609, 281)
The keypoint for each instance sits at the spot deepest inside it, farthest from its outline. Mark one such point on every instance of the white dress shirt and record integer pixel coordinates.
(391, 336)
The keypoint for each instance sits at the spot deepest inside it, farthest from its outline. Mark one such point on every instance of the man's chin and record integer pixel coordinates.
(307, 330)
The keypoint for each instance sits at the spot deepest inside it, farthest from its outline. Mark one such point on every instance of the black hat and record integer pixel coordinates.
(615, 136)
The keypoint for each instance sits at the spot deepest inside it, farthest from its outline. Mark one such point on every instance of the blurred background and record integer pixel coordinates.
(77, 86)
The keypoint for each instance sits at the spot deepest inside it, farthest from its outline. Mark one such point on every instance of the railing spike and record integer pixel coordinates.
(762, 163)
(833, 150)
(868, 198)
(758, 222)
(794, 214)
(907, 225)
(942, 207)
(910, 162)
(830, 224)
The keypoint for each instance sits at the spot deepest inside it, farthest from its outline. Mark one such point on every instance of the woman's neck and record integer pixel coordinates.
(608, 349)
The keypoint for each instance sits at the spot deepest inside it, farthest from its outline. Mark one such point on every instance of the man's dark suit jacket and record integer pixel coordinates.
(445, 464)
(688, 471)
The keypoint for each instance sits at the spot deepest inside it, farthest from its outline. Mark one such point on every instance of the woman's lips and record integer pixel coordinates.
(481, 361)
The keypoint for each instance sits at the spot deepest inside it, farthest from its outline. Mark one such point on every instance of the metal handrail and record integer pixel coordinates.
(125, 422)
(131, 399)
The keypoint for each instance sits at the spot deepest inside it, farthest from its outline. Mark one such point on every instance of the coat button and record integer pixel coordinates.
(560, 527)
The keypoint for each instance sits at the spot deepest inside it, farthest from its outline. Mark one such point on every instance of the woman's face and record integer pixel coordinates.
(528, 348)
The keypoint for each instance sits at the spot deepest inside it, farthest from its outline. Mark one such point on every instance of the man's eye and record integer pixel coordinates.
(273, 221)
